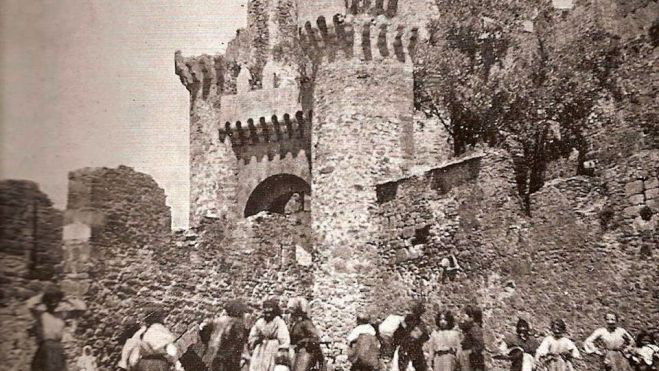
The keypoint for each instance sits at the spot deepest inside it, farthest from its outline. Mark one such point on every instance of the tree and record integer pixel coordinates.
(517, 74)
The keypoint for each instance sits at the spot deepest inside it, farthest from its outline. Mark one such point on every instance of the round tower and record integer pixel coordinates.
(362, 136)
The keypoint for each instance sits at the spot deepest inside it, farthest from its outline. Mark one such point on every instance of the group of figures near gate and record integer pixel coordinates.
(273, 344)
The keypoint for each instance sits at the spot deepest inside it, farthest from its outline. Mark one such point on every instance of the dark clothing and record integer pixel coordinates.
(226, 344)
(49, 357)
(517, 357)
(409, 341)
(152, 363)
(305, 340)
(473, 346)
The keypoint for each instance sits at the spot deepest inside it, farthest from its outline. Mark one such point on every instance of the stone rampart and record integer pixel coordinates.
(125, 258)
(30, 254)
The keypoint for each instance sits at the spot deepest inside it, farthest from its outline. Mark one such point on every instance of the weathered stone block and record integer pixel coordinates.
(634, 187)
(651, 194)
(632, 211)
(636, 199)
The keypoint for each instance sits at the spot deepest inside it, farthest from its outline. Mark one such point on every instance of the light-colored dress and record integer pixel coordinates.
(613, 342)
(130, 353)
(50, 354)
(157, 349)
(266, 339)
(442, 348)
(556, 354)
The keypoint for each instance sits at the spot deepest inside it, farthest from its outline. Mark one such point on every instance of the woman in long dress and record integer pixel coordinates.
(305, 338)
(50, 328)
(556, 351)
(444, 343)
(157, 351)
(268, 338)
(615, 343)
(473, 345)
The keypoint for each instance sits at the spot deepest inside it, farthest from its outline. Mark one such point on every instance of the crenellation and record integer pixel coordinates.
(203, 74)
(362, 38)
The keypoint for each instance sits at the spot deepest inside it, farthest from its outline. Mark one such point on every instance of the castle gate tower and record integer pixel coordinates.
(249, 135)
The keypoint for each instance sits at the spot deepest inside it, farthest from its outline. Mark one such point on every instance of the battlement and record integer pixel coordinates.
(277, 128)
(362, 37)
(202, 74)
(373, 7)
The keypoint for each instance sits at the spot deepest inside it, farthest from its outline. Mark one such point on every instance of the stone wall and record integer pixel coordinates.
(30, 254)
(536, 268)
(123, 256)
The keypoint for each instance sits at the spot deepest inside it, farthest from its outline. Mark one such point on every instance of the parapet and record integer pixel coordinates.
(277, 128)
(373, 7)
(361, 37)
(260, 103)
(201, 75)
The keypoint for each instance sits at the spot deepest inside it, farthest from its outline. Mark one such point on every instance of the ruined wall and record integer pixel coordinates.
(465, 209)
(130, 258)
(30, 254)
(537, 268)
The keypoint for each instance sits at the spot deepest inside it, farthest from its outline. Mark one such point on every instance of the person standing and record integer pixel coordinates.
(157, 351)
(556, 352)
(305, 338)
(268, 338)
(520, 348)
(50, 329)
(364, 346)
(227, 338)
(615, 342)
(472, 347)
(408, 340)
(444, 343)
(646, 354)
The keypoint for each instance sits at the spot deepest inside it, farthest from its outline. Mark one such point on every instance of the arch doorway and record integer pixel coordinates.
(275, 192)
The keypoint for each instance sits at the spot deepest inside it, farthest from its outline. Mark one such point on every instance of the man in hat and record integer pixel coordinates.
(520, 348)
(364, 345)
(227, 338)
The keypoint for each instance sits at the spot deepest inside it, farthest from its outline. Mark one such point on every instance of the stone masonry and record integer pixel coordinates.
(314, 99)
(30, 256)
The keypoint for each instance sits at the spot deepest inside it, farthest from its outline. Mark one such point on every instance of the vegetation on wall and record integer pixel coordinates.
(528, 77)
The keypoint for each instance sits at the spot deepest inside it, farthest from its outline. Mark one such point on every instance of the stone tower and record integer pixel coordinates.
(313, 95)
(362, 136)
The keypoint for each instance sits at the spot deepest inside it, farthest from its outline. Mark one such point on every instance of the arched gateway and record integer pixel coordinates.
(273, 193)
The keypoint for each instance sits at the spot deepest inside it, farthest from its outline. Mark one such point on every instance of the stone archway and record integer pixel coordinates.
(275, 192)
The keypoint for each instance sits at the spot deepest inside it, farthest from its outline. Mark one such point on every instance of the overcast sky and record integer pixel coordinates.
(92, 83)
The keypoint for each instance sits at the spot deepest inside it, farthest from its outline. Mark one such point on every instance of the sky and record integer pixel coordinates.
(91, 83)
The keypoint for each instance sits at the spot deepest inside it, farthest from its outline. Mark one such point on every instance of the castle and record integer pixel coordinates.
(313, 99)
(313, 175)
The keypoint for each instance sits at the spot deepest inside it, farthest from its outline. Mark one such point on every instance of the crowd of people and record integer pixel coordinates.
(404, 343)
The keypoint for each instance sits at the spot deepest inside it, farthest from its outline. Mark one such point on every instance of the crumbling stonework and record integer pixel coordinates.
(30, 256)
(392, 215)
(122, 256)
